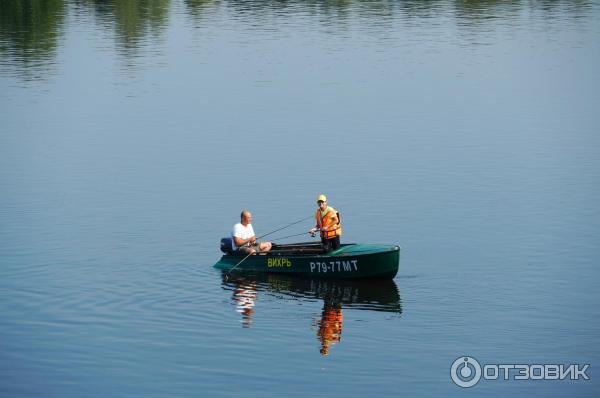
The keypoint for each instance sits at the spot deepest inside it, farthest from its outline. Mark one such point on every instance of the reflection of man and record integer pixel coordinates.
(330, 327)
(245, 296)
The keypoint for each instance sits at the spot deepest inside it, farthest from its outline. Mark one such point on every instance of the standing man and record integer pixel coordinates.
(243, 239)
(328, 223)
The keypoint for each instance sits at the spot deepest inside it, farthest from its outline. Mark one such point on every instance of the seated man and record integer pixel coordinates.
(243, 239)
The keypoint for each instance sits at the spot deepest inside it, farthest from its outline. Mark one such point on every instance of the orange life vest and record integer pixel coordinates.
(329, 223)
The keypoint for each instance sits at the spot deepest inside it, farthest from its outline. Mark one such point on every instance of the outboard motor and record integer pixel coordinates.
(226, 245)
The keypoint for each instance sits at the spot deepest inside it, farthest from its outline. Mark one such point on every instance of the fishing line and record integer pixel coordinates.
(287, 226)
(290, 236)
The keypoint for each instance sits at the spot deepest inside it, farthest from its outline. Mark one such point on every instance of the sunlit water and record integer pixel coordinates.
(132, 133)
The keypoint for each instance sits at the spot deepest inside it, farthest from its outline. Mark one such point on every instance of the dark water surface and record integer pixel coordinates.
(132, 133)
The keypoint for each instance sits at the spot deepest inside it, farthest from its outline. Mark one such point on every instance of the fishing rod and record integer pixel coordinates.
(228, 273)
(287, 226)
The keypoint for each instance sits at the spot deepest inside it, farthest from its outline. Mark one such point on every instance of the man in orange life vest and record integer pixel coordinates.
(328, 223)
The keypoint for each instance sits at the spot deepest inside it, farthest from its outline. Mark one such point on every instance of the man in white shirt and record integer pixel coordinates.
(243, 238)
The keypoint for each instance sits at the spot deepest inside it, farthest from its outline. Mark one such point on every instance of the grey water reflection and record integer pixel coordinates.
(196, 8)
(135, 21)
(31, 31)
(482, 13)
(337, 295)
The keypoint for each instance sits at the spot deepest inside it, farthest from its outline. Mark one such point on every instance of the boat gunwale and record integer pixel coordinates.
(380, 249)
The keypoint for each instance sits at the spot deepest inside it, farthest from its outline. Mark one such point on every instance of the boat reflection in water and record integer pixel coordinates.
(370, 294)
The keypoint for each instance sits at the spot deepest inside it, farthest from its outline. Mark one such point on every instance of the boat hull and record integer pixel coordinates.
(351, 261)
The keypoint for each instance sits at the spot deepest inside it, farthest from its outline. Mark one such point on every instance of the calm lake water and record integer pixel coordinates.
(132, 133)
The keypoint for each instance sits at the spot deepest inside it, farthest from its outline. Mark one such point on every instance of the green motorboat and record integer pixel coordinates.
(351, 260)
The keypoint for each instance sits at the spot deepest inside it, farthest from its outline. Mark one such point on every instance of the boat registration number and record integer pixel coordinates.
(334, 266)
